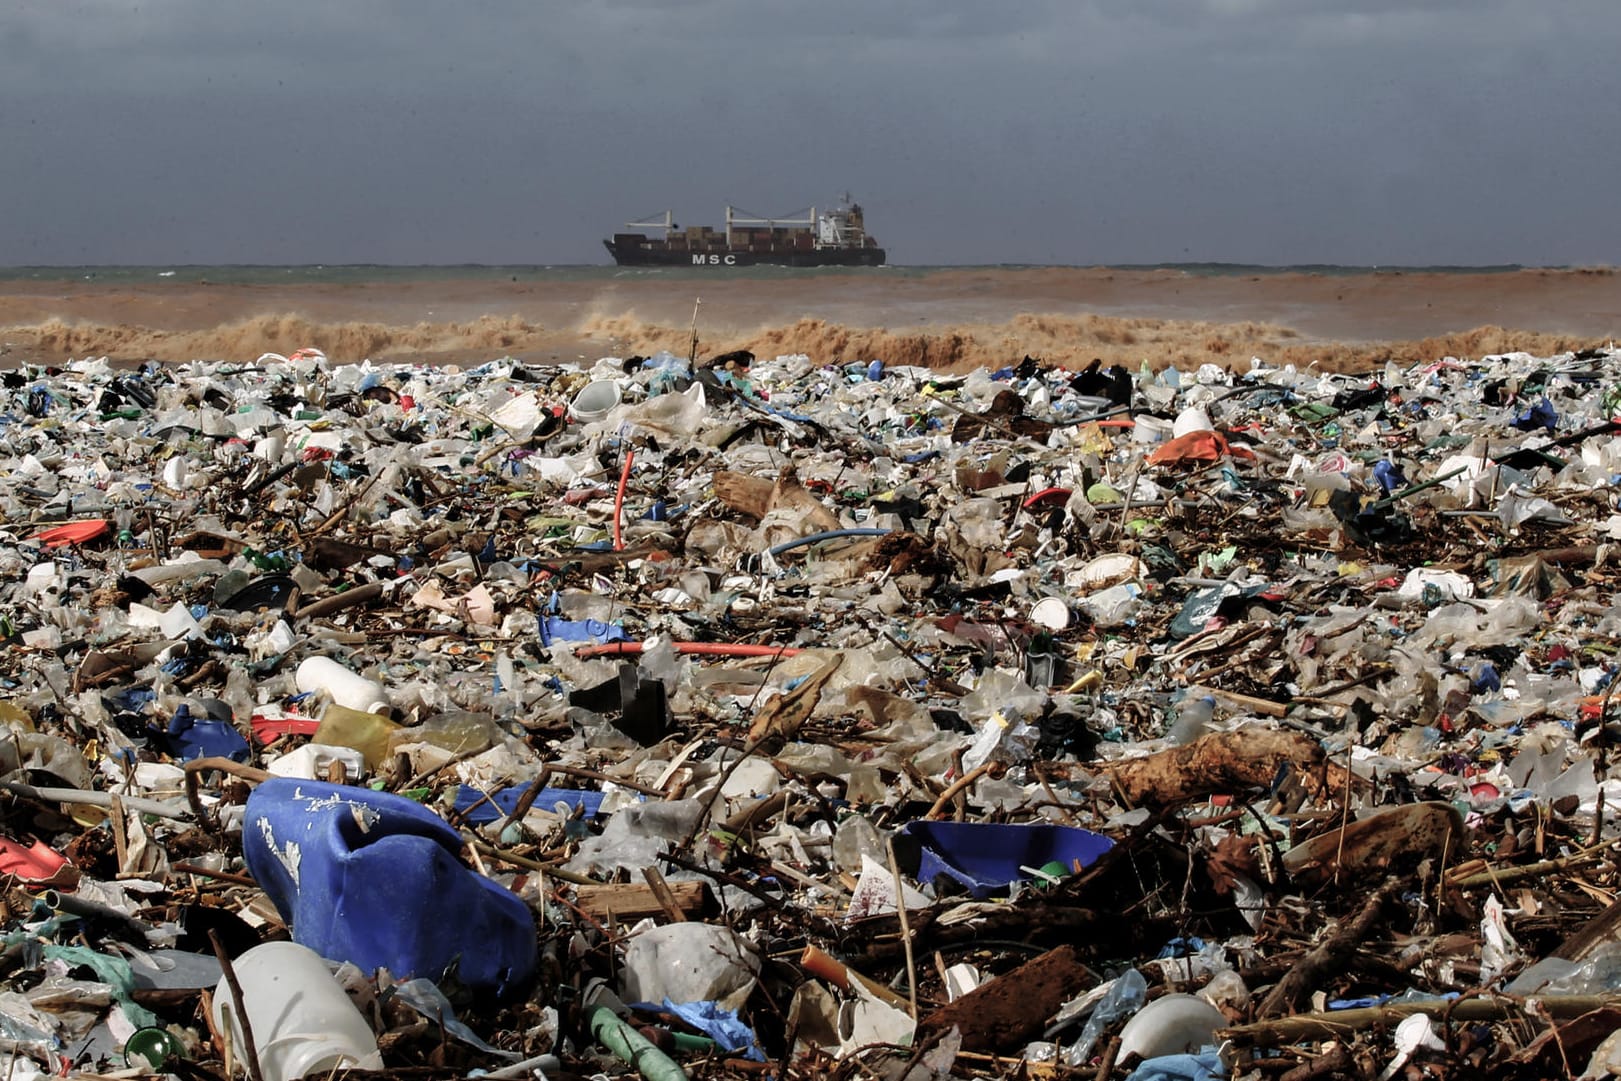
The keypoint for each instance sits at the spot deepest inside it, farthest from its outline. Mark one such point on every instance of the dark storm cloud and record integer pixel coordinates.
(1372, 131)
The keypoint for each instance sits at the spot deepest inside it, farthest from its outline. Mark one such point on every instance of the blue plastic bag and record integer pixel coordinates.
(552, 629)
(1389, 475)
(191, 737)
(375, 879)
(478, 811)
(1180, 1068)
(721, 1025)
(1540, 415)
(987, 857)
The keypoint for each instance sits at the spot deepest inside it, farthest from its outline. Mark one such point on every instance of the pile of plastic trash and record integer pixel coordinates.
(729, 717)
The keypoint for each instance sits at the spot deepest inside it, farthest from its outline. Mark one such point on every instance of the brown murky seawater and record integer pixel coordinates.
(949, 318)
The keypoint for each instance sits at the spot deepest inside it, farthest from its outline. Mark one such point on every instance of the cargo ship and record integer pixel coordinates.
(835, 237)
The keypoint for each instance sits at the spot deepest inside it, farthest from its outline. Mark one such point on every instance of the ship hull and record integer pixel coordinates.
(815, 257)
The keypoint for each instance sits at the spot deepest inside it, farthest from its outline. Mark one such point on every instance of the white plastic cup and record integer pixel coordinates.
(594, 401)
(346, 688)
(270, 447)
(303, 1022)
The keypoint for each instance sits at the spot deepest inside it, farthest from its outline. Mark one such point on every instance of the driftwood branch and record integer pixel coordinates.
(1219, 762)
(1331, 954)
(1340, 1024)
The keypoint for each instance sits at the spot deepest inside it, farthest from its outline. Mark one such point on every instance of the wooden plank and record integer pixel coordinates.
(666, 899)
(634, 900)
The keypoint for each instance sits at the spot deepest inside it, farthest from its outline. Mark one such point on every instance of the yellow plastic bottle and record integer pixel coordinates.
(367, 733)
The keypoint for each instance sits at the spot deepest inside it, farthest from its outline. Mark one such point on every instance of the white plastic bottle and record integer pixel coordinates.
(345, 687)
(1192, 719)
(303, 1022)
(1114, 605)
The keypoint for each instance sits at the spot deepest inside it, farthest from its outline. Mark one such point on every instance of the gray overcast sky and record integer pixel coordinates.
(1041, 131)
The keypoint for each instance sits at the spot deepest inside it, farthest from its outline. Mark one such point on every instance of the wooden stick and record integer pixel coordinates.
(1334, 1063)
(198, 766)
(1248, 701)
(906, 931)
(187, 868)
(526, 800)
(250, 1053)
(1111, 1054)
(349, 598)
(959, 785)
(593, 775)
(120, 828)
(1530, 870)
(756, 811)
(533, 865)
(662, 894)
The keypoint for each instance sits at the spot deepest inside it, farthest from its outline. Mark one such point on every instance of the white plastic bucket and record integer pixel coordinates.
(1149, 430)
(1190, 420)
(303, 1022)
(594, 401)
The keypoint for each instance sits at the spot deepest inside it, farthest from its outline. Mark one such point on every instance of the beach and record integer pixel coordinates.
(949, 318)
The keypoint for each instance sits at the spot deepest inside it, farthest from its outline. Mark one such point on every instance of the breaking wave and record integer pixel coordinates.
(1072, 341)
(481, 338)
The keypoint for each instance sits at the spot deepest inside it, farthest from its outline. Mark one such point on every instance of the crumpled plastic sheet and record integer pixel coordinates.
(1180, 1068)
(719, 1024)
(424, 996)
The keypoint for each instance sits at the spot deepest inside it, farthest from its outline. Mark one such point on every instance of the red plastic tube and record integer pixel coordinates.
(1047, 495)
(619, 500)
(706, 649)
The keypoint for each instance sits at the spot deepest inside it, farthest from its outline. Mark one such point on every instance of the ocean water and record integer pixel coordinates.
(951, 317)
(355, 273)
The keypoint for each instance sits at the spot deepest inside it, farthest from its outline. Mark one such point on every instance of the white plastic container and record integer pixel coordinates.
(1050, 612)
(312, 760)
(1192, 720)
(1171, 1025)
(594, 401)
(271, 446)
(1147, 430)
(303, 1022)
(1190, 420)
(341, 685)
(1113, 606)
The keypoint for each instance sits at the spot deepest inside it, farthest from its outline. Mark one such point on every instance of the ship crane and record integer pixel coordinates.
(667, 223)
(736, 218)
